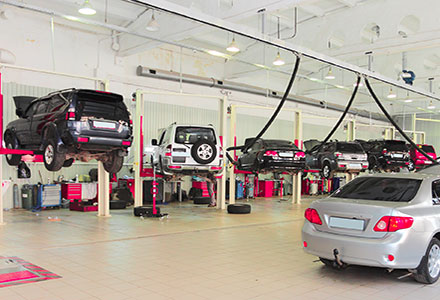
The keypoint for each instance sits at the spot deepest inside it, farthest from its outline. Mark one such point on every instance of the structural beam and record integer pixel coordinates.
(232, 142)
(298, 136)
(221, 183)
(103, 191)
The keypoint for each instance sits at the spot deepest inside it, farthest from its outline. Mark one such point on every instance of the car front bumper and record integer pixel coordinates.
(406, 246)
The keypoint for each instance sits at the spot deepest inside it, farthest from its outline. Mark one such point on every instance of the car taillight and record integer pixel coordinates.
(169, 150)
(312, 216)
(131, 122)
(126, 143)
(392, 224)
(216, 168)
(384, 151)
(175, 167)
(300, 154)
(270, 153)
(70, 115)
(221, 152)
(338, 154)
(83, 139)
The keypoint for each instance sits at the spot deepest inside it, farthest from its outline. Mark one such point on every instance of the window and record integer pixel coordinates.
(190, 135)
(380, 189)
(349, 148)
(436, 192)
(31, 109)
(56, 103)
(42, 107)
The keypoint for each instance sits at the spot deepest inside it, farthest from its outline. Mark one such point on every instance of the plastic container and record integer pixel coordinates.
(27, 195)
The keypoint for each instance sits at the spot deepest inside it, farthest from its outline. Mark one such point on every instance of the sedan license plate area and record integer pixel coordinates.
(345, 223)
(285, 154)
(355, 166)
(104, 125)
(397, 155)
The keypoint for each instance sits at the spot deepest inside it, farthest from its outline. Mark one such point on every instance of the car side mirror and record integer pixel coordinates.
(154, 142)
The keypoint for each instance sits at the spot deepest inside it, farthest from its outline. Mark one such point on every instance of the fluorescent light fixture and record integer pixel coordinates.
(261, 66)
(72, 18)
(313, 79)
(330, 75)
(391, 94)
(152, 25)
(431, 105)
(340, 86)
(233, 47)
(409, 100)
(278, 60)
(217, 53)
(87, 9)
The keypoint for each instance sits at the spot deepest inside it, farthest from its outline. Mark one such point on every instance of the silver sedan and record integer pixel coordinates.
(381, 220)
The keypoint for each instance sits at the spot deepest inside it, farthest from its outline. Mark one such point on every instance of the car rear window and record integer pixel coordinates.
(396, 146)
(279, 143)
(190, 135)
(380, 189)
(349, 148)
(101, 105)
(428, 149)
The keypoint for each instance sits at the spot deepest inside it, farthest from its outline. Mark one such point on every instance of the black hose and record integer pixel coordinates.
(278, 109)
(347, 108)
(382, 108)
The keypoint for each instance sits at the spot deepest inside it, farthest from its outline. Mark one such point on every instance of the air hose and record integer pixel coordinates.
(272, 118)
(347, 108)
(382, 108)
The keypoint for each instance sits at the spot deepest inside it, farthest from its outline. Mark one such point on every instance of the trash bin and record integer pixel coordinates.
(27, 195)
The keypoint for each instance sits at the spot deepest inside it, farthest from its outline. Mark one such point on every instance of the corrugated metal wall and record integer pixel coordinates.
(432, 129)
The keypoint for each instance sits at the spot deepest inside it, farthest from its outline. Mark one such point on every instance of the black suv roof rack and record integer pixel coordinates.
(60, 91)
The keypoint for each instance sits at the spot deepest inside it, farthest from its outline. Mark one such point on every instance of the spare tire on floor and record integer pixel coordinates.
(202, 200)
(239, 209)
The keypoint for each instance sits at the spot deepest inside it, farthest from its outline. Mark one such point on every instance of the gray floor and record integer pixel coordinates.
(196, 253)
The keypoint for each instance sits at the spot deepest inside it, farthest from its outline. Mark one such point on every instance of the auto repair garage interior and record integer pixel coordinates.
(219, 149)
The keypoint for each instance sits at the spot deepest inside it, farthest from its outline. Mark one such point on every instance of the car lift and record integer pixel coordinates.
(140, 97)
(103, 176)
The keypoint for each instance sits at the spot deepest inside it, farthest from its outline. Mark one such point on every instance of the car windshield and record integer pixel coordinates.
(396, 146)
(101, 105)
(380, 189)
(279, 144)
(349, 147)
(428, 149)
(190, 135)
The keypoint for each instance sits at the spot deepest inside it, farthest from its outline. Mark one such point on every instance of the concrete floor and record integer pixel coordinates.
(197, 253)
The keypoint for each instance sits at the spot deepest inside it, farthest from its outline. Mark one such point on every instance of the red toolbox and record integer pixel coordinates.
(203, 185)
(71, 191)
(265, 188)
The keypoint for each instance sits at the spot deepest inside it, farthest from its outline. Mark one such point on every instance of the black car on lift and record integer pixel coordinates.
(335, 156)
(271, 156)
(388, 155)
(71, 124)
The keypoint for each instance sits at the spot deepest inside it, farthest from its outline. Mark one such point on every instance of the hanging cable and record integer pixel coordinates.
(347, 108)
(382, 108)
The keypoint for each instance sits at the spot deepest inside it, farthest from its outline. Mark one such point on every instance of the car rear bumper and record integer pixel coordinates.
(92, 143)
(405, 246)
(186, 168)
(280, 164)
(355, 165)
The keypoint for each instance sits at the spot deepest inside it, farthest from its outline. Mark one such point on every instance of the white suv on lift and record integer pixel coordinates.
(187, 150)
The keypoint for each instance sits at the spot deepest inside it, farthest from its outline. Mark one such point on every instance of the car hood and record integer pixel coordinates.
(22, 102)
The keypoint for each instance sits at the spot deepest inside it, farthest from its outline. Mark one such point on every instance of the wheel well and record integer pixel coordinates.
(437, 235)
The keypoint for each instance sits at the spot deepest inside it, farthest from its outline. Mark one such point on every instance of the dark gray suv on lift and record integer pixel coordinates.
(335, 156)
(71, 124)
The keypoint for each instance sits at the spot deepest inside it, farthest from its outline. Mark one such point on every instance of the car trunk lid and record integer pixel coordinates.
(101, 107)
(352, 217)
(22, 102)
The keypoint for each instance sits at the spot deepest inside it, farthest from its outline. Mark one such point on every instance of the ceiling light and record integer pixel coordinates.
(313, 79)
(278, 60)
(217, 53)
(340, 86)
(391, 94)
(153, 25)
(409, 100)
(87, 9)
(431, 105)
(330, 75)
(359, 85)
(233, 47)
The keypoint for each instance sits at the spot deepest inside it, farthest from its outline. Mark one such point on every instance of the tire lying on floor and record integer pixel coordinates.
(239, 209)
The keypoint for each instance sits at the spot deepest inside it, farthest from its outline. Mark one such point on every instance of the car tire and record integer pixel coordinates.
(68, 163)
(53, 159)
(11, 143)
(114, 162)
(428, 271)
(239, 209)
(204, 151)
(327, 172)
(411, 165)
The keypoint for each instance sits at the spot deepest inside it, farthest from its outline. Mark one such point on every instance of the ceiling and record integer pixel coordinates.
(399, 34)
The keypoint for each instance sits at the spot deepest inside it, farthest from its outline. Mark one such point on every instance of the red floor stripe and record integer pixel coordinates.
(16, 276)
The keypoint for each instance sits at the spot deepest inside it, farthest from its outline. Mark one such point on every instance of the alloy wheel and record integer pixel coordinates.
(49, 154)
(434, 261)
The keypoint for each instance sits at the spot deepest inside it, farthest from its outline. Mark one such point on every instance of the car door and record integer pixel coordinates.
(248, 158)
(38, 120)
(23, 128)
